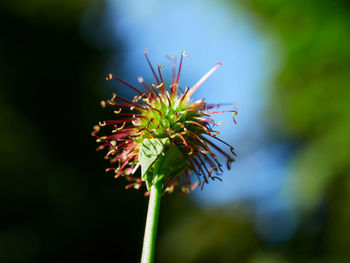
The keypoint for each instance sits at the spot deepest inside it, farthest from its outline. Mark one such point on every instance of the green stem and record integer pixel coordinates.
(149, 240)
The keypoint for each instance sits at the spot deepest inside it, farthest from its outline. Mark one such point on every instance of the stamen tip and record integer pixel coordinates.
(233, 116)
(109, 77)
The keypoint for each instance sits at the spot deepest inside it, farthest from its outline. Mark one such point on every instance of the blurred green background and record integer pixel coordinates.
(58, 205)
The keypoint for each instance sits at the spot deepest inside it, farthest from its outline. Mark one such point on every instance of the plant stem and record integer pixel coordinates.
(149, 240)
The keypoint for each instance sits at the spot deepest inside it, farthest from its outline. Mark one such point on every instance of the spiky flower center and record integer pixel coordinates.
(167, 117)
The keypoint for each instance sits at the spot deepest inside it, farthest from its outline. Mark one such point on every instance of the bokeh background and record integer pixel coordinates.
(287, 70)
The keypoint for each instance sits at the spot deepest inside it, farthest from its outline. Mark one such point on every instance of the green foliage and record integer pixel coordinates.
(312, 97)
(214, 235)
(312, 91)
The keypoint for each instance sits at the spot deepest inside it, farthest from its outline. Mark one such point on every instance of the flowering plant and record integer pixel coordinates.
(166, 134)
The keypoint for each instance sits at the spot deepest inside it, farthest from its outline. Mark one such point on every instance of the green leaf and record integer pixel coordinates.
(171, 164)
(150, 150)
(159, 159)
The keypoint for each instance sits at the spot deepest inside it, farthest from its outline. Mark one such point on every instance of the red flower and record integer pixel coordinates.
(157, 114)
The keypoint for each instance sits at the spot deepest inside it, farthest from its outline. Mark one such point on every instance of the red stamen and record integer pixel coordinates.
(113, 122)
(198, 111)
(233, 113)
(216, 138)
(198, 138)
(116, 136)
(219, 149)
(199, 125)
(178, 74)
(211, 106)
(160, 113)
(123, 165)
(203, 173)
(185, 94)
(182, 138)
(199, 149)
(211, 163)
(161, 88)
(193, 166)
(144, 84)
(206, 120)
(129, 129)
(216, 177)
(160, 74)
(125, 83)
(215, 112)
(127, 101)
(125, 105)
(121, 135)
(149, 63)
(233, 117)
(168, 99)
(155, 91)
(205, 167)
(130, 114)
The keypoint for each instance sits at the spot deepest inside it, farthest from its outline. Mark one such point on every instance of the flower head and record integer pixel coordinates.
(165, 133)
